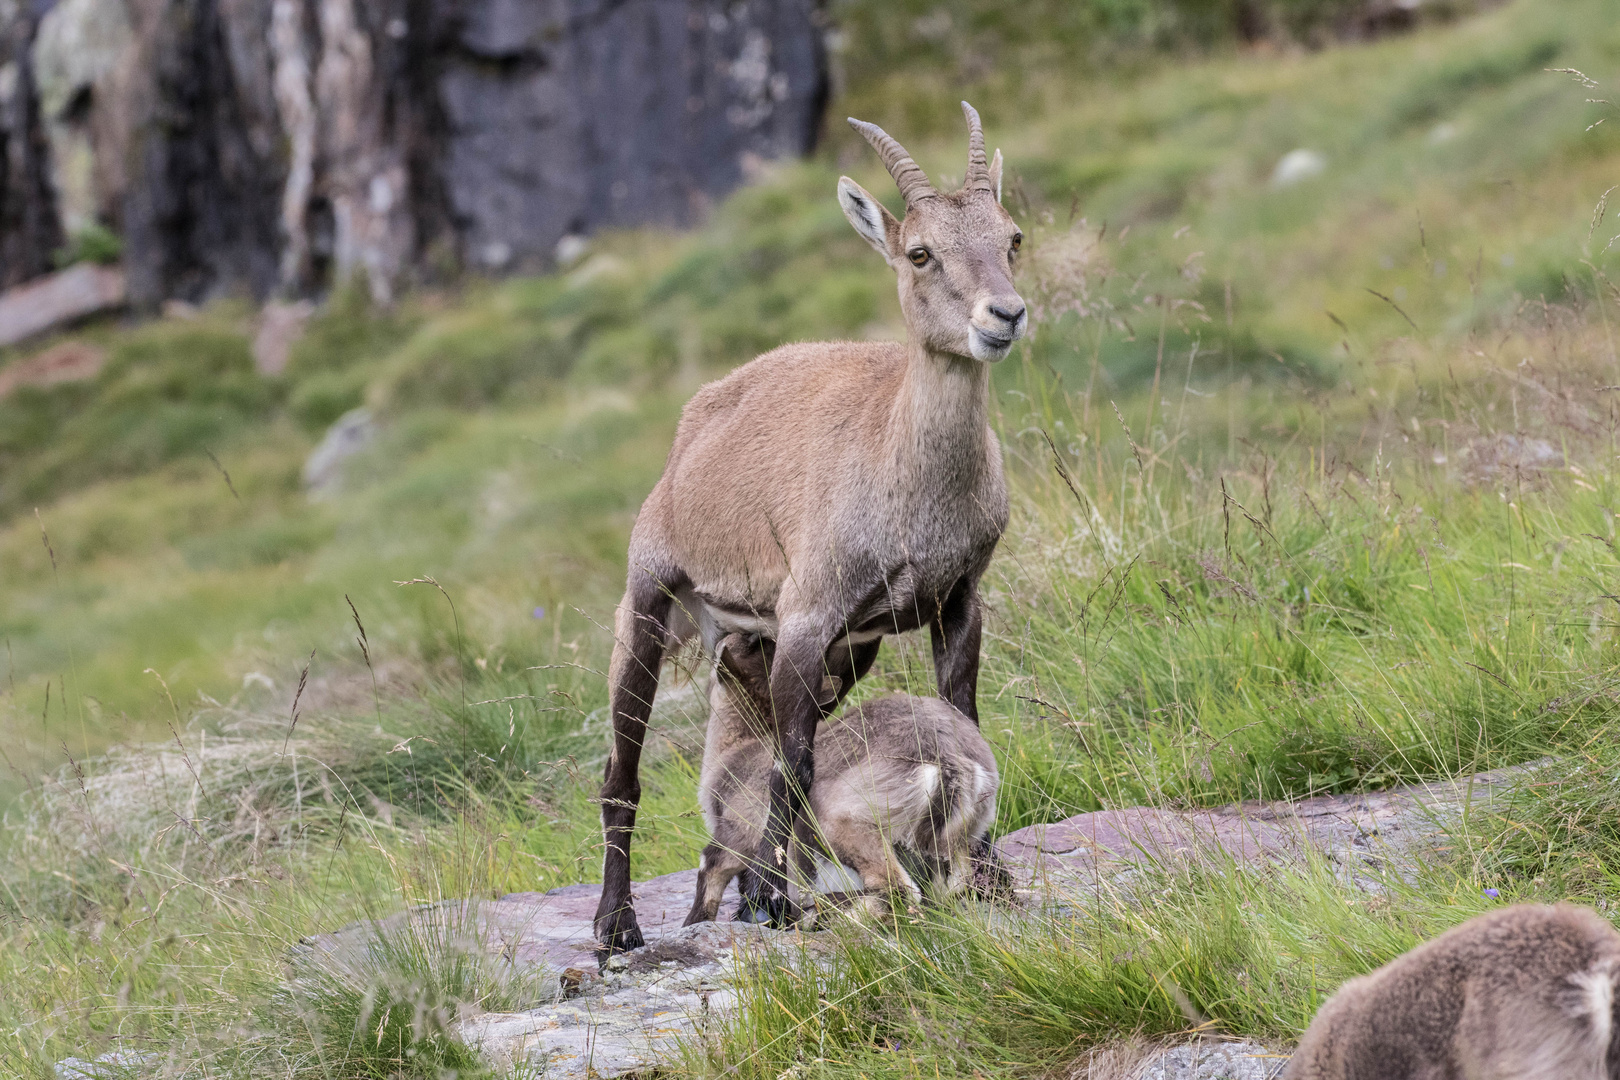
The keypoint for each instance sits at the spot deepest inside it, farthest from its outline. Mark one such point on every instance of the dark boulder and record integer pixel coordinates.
(568, 116)
(251, 146)
(30, 225)
(198, 213)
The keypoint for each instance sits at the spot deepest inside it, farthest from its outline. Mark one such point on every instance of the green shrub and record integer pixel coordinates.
(94, 243)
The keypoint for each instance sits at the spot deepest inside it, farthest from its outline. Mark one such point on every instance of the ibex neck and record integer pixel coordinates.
(942, 412)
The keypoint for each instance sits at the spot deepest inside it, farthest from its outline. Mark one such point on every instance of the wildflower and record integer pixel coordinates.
(1493, 893)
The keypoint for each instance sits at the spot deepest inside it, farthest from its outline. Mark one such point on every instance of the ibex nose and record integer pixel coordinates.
(1008, 311)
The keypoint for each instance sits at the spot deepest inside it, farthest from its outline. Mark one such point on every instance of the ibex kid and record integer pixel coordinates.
(1524, 993)
(825, 495)
(900, 776)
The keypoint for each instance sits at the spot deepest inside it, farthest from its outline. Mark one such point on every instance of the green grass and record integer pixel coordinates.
(1269, 539)
(1227, 950)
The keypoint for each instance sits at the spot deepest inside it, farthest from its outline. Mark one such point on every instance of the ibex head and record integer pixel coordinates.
(953, 252)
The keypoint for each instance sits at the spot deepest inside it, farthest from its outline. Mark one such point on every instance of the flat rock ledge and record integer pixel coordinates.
(1211, 1060)
(641, 1010)
(1365, 837)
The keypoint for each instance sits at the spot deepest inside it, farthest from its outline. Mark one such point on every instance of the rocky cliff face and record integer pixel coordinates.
(256, 146)
(30, 228)
(561, 118)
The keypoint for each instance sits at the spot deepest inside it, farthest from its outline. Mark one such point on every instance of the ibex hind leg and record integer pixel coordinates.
(640, 638)
(715, 871)
(860, 843)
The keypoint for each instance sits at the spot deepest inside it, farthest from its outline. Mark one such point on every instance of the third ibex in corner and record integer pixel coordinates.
(1524, 993)
(825, 495)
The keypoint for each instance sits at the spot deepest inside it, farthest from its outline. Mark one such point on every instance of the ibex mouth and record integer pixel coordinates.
(987, 346)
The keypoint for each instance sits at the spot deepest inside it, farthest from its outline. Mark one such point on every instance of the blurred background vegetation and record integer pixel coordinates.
(1312, 448)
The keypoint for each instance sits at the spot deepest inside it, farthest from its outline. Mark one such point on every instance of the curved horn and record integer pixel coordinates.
(911, 180)
(978, 170)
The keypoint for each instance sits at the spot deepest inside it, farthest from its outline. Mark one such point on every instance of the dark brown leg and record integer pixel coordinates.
(848, 665)
(955, 633)
(796, 678)
(638, 652)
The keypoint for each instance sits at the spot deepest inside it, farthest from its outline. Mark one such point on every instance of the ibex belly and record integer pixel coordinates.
(893, 606)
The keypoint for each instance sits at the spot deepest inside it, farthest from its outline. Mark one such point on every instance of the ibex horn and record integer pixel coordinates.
(978, 170)
(911, 180)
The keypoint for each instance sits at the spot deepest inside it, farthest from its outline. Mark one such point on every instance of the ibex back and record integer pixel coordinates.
(826, 495)
(1525, 993)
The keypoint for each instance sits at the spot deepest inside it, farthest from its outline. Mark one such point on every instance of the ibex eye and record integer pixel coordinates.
(1018, 241)
(919, 256)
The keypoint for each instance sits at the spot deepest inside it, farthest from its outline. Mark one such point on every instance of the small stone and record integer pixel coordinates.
(324, 467)
(571, 980)
(1298, 165)
(114, 1065)
(280, 326)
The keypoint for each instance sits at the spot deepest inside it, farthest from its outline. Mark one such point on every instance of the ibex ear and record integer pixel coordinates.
(871, 218)
(995, 173)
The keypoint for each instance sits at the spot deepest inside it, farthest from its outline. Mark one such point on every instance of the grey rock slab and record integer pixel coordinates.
(58, 298)
(624, 1018)
(1376, 832)
(531, 929)
(114, 1065)
(1210, 1060)
(644, 1007)
(637, 1009)
(1079, 851)
(1384, 830)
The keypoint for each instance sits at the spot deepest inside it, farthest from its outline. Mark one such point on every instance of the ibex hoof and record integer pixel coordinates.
(785, 914)
(989, 879)
(617, 933)
(749, 911)
(776, 911)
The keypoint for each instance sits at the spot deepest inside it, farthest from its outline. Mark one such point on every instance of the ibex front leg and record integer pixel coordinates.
(797, 676)
(638, 652)
(847, 664)
(956, 632)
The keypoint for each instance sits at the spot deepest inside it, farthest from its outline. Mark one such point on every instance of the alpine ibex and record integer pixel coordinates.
(825, 495)
(1525, 993)
(900, 780)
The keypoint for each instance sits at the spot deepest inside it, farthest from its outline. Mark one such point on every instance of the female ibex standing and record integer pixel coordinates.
(825, 495)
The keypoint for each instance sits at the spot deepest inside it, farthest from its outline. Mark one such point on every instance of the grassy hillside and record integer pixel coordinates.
(523, 421)
(1313, 488)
